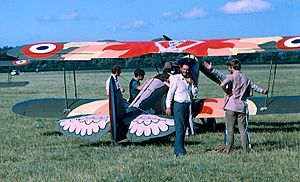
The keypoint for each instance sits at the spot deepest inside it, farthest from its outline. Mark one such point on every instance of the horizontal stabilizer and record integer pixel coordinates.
(90, 127)
(147, 126)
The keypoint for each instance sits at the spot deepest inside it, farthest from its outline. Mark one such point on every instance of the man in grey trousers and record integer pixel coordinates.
(237, 87)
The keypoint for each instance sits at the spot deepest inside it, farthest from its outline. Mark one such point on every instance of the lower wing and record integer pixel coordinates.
(213, 107)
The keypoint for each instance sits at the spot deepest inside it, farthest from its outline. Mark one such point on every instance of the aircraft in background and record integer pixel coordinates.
(144, 118)
(14, 72)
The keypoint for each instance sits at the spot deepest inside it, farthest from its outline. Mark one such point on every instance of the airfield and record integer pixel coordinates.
(33, 149)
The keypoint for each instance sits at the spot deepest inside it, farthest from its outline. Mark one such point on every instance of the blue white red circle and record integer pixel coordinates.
(20, 62)
(42, 50)
(292, 42)
(289, 43)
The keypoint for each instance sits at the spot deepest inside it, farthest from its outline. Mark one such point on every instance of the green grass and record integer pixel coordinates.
(33, 150)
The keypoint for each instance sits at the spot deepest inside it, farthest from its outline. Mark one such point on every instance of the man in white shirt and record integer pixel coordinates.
(115, 72)
(182, 90)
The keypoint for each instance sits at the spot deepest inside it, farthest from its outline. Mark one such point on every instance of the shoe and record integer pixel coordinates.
(220, 147)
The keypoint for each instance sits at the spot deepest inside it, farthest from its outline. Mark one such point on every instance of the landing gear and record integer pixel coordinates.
(210, 124)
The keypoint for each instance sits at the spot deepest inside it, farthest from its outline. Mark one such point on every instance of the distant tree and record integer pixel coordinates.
(3, 55)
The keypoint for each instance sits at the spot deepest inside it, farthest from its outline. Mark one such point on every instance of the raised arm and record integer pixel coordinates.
(221, 76)
(218, 74)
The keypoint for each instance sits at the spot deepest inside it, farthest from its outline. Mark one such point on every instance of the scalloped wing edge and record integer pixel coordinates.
(91, 126)
(147, 126)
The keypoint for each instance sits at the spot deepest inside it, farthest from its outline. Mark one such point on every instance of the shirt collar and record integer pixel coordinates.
(113, 76)
(236, 72)
(181, 76)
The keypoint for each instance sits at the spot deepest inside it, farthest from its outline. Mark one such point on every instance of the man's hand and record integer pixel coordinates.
(265, 91)
(208, 65)
(189, 80)
(168, 111)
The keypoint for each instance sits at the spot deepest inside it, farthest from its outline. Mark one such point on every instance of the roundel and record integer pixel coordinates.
(289, 43)
(20, 62)
(42, 50)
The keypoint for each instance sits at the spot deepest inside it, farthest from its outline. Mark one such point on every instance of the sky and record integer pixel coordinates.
(33, 21)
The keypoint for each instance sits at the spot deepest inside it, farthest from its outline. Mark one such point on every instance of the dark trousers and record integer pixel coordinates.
(181, 118)
(231, 118)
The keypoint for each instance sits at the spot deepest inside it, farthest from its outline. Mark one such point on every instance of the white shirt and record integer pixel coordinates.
(179, 90)
(116, 81)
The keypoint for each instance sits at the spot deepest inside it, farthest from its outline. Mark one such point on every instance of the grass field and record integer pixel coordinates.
(33, 150)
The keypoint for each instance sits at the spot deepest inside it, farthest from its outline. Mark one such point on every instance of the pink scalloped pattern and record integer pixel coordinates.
(147, 124)
(85, 125)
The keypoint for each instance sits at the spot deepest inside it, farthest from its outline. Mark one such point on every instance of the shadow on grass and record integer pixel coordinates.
(254, 127)
(52, 133)
(205, 128)
(272, 130)
(166, 141)
(272, 145)
(279, 124)
(127, 143)
(275, 127)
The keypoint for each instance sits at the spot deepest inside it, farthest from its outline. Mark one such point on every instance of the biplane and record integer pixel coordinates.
(10, 73)
(144, 118)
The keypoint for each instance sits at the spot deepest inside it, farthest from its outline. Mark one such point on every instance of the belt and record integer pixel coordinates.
(184, 102)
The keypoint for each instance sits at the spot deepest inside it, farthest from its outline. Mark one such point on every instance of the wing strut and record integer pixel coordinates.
(74, 78)
(274, 77)
(8, 76)
(155, 65)
(162, 60)
(274, 69)
(66, 94)
(67, 106)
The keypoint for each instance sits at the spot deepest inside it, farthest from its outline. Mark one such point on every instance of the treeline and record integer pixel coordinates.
(148, 61)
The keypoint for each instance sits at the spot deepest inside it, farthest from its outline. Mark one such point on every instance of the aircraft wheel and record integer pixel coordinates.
(211, 124)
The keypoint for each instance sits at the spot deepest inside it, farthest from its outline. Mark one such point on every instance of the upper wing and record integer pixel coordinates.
(90, 50)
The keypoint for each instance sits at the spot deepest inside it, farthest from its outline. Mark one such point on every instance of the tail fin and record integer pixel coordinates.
(116, 111)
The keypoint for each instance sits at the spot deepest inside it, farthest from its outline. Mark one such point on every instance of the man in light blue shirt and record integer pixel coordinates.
(182, 90)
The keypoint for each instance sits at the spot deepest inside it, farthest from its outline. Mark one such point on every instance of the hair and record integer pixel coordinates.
(181, 65)
(234, 63)
(167, 70)
(139, 72)
(115, 69)
(168, 65)
(164, 76)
